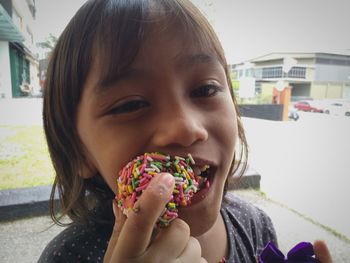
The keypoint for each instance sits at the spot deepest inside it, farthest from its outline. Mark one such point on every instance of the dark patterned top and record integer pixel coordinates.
(249, 230)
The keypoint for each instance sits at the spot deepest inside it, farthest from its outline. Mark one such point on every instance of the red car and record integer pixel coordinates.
(307, 106)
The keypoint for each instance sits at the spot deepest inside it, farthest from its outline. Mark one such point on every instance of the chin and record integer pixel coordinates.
(205, 207)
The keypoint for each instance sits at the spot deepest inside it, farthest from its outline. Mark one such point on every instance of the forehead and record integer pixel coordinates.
(175, 43)
(161, 43)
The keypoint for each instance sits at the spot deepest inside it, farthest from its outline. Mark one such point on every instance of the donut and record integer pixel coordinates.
(136, 175)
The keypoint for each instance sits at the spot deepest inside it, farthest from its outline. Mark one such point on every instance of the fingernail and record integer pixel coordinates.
(167, 179)
(164, 183)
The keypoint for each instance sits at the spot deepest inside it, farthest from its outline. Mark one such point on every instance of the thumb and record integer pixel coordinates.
(138, 228)
(322, 252)
(118, 225)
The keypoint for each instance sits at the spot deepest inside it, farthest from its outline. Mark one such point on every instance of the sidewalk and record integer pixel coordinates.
(21, 111)
(305, 165)
(291, 228)
(23, 240)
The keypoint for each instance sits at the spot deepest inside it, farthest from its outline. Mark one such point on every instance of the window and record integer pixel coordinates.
(272, 72)
(276, 72)
(297, 72)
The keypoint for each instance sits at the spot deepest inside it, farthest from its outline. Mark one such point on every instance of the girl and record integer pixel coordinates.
(129, 77)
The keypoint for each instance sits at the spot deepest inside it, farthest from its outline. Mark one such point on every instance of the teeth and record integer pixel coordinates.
(198, 170)
(203, 168)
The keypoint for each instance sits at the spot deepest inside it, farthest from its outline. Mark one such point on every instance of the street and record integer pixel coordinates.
(304, 164)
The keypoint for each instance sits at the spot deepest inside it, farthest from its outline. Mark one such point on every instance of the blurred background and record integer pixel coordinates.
(290, 71)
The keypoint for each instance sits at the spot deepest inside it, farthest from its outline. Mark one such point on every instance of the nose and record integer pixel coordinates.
(179, 128)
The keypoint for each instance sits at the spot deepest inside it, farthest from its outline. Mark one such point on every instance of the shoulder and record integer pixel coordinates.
(78, 243)
(250, 220)
(243, 209)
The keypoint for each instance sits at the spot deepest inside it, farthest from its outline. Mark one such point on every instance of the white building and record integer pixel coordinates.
(310, 75)
(18, 62)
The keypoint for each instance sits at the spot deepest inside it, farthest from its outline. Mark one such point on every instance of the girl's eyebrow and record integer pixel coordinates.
(184, 61)
(108, 81)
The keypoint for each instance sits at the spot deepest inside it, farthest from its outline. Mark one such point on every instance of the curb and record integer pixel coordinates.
(250, 179)
(34, 201)
(24, 202)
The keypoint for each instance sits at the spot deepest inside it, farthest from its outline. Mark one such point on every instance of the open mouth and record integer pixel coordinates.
(204, 175)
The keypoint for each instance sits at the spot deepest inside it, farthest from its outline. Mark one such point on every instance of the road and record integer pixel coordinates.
(305, 165)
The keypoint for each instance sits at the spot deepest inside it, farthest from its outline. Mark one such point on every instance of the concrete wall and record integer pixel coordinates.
(5, 73)
(267, 89)
(332, 73)
(310, 74)
(346, 91)
(334, 91)
(329, 90)
(315, 90)
(22, 8)
(307, 61)
(262, 111)
(319, 90)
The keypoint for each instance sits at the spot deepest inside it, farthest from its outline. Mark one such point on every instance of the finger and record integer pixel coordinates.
(322, 252)
(135, 236)
(172, 239)
(118, 225)
(192, 252)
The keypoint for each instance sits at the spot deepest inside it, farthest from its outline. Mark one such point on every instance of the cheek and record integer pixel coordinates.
(227, 124)
(227, 133)
(113, 150)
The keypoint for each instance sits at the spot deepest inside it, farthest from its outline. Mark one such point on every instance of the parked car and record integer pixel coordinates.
(340, 108)
(306, 105)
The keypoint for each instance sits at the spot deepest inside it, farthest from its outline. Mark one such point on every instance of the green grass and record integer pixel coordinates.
(24, 158)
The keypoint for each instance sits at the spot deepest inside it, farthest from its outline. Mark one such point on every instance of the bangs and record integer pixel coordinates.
(119, 35)
(196, 29)
(125, 25)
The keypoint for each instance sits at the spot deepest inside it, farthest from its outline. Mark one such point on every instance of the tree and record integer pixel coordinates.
(49, 43)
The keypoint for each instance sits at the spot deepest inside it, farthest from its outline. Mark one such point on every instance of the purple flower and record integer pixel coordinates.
(301, 253)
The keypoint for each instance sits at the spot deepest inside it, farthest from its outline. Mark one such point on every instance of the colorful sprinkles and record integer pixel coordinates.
(136, 175)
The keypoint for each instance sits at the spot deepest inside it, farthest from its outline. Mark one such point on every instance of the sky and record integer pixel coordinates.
(247, 28)
(52, 16)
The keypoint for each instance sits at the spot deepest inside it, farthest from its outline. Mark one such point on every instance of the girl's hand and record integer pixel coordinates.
(322, 252)
(132, 239)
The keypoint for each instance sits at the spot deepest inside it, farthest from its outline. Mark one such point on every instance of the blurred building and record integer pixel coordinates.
(310, 75)
(18, 62)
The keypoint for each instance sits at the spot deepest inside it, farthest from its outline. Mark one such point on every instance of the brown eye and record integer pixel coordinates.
(205, 91)
(130, 106)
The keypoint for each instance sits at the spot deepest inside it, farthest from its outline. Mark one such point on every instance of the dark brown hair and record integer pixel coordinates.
(114, 31)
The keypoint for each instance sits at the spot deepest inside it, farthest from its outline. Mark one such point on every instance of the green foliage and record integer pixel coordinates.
(49, 42)
(235, 83)
(258, 99)
(24, 157)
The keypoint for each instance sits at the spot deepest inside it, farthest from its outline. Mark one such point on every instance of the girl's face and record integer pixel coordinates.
(174, 99)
